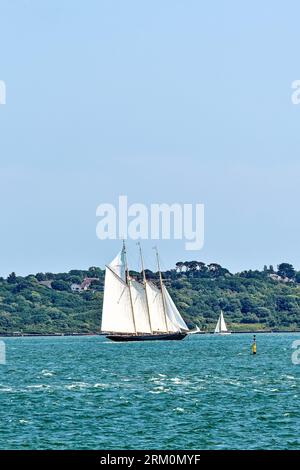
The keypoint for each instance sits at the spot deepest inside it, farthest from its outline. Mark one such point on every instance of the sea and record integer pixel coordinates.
(205, 392)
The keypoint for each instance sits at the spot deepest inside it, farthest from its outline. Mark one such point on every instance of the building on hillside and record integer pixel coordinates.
(278, 278)
(86, 283)
(84, 286)
(46, 284)
(76, 288)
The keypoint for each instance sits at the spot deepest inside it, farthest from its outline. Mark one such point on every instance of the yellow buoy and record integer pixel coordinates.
(254, 345)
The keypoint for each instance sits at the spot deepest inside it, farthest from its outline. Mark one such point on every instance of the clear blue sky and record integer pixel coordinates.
(165, 101)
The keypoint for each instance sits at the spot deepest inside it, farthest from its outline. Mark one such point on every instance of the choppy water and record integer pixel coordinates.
(201, 393)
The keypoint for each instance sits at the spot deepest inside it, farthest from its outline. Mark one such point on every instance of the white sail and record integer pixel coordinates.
(125, 308)
(140, 307)
(156, 308)
(172, 327)
(221, 325)
(194, 331)
(217, 329)
(160, 315)
(117, 312)
(118, 265)
(173, 314)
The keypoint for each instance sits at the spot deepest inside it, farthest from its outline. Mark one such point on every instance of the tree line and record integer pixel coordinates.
(251, 300)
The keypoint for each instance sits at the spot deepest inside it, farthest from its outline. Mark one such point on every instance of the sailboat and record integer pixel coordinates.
(138, 311)
(221, 328)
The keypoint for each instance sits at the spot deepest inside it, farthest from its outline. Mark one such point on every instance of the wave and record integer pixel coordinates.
(6, 389)
(179, 381)
(179, 410)
(47, 373)
(37, 387)
(99, 385)
(77, 385)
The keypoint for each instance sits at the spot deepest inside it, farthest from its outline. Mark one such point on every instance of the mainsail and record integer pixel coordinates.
(117, 311)
(131, 307)
(156, 308)
(140, 307)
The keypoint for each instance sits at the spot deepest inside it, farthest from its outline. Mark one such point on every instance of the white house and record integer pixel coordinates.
(76, 288)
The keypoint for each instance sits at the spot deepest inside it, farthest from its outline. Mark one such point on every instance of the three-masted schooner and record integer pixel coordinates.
(138, 311)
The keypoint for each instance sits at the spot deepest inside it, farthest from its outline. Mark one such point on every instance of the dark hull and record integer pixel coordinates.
(162, 337)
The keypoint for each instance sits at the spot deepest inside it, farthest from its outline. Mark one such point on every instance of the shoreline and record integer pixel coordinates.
(21, 335)
(59, 335)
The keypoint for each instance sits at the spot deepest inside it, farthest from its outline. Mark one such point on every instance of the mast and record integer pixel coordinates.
(129, 285)
(145, 286)
(162, 290)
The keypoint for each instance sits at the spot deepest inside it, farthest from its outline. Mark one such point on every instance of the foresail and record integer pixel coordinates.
(117, 313)
(173, 314)
(140, 307)
(217, 329)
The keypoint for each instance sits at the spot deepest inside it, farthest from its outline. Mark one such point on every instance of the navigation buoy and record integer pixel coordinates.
(254, 345)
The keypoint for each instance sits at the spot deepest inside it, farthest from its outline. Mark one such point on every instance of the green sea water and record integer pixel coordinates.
(204, 392)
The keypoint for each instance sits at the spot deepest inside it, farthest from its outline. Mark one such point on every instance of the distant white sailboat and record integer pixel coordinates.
(221, 328)
(195, 331)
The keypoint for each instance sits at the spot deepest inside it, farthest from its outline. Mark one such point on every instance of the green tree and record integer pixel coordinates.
(193, 265)
(202, 266)
(60, 285)
(179, 266)
(216, 270)
(286, 270)
(49, 276)
(150, 274)
(12, 278)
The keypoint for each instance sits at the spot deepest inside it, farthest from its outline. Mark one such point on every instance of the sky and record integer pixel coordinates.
(162, 101)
